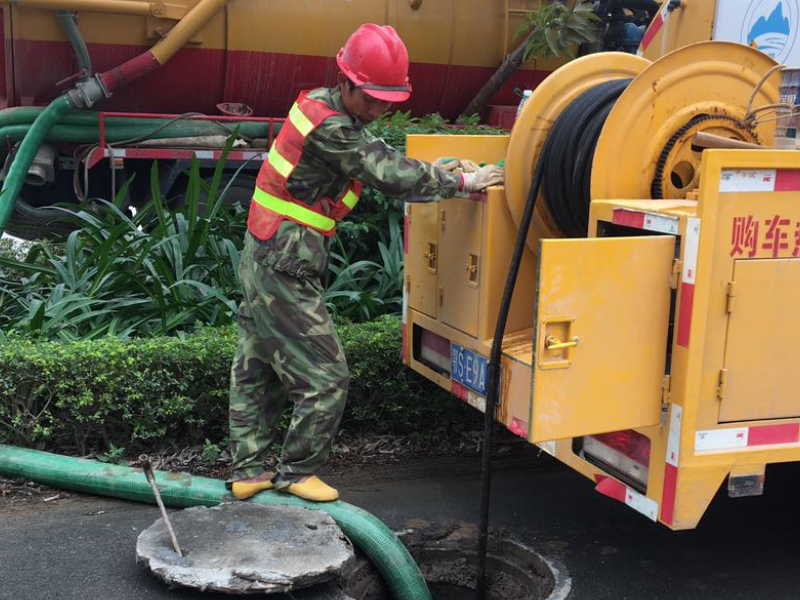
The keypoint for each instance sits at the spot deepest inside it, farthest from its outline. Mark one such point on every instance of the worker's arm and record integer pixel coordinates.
(353, 151)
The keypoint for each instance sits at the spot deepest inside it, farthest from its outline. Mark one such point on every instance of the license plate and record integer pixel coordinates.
(468, 368)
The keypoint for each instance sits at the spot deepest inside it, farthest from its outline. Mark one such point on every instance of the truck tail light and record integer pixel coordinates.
(434, 350)
(625, 454)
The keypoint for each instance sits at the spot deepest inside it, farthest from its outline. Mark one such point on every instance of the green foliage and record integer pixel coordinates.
(393, 127)
(211, 452)
(166, 272)
(103, 395)
(360, 290)
(114, 455)
(557, 30)
(156, 273)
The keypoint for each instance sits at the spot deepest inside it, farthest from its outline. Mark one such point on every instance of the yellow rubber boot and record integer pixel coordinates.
(247, 488)
(312, 488)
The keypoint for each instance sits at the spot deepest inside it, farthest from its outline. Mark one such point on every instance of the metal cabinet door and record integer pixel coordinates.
(602, 307)
(422, 259)
(461, 227)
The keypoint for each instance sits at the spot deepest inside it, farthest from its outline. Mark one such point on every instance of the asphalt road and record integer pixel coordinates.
(84, 547)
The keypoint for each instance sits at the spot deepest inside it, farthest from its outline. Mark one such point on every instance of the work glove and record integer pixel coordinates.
(456, 165)
(447, 163)
(483, 178)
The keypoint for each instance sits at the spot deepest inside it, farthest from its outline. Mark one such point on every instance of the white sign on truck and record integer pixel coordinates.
(771, 25)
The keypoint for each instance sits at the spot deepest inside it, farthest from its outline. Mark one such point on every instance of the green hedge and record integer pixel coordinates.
(159, 392)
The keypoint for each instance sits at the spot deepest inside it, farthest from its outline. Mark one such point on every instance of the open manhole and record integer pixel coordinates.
(446, 555)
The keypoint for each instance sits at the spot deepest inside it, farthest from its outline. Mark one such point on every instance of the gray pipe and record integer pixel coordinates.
(69, 22)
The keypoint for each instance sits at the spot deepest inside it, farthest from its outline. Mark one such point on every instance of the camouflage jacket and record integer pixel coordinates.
(339, 150)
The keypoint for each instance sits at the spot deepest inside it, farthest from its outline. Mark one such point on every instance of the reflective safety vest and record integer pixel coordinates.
(272, 203)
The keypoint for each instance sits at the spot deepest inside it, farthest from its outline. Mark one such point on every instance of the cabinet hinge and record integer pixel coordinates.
(722, 384)
(677, 269)
(730, 298)
(666, 384)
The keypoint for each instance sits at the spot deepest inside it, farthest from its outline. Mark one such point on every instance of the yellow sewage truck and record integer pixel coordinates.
(649, 343)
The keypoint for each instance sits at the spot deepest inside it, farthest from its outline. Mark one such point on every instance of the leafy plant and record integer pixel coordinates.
(211, 453)
(393, 127)
(157, 272)
(555, 29)
(165, 272)
(360, 290)
(114, 455)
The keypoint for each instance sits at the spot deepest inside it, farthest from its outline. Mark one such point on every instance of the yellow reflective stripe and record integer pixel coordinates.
(300, 121)
(280, 164)
(293, 211)
(350, 199)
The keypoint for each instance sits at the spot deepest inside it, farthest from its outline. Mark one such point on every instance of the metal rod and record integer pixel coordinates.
(151, 479)
(709, 140)
(121, 7)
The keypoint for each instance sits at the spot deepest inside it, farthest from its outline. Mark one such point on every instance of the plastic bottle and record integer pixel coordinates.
(525, 95)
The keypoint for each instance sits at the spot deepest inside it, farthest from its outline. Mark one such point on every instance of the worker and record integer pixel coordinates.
(288, 350)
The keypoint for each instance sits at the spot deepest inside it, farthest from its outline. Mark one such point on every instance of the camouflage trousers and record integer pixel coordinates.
(288, 352)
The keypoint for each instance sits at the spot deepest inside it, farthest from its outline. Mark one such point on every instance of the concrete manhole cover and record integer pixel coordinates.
(246, 548)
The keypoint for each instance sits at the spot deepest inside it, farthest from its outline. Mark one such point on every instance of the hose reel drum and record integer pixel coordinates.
(644, 147)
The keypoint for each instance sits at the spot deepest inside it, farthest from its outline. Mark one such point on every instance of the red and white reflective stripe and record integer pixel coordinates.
(732, 438)
(691, 247)
(646, 220)
(671, 461)
(759, 180)
(468, 396)
(518, 427)
(608, 486)
(654, 27)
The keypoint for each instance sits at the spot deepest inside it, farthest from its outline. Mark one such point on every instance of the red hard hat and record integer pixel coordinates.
(375, 59)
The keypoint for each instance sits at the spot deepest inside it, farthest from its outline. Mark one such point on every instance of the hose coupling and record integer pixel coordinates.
(86, 93)
(42, 170)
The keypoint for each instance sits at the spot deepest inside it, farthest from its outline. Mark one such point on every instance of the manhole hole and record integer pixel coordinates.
(446, 555)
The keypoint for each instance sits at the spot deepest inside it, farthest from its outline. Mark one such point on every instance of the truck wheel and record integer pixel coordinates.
(34, 223)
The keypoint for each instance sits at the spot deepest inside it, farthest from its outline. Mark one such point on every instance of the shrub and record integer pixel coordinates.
(106, 394)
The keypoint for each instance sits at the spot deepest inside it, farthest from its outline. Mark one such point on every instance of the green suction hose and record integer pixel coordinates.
(369, 533)
(177, 127)
(89, 134)
(27, 151)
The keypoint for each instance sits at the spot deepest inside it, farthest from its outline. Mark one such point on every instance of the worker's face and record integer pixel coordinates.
(361, 105)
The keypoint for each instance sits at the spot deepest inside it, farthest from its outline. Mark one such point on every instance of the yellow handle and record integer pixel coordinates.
(553, 343)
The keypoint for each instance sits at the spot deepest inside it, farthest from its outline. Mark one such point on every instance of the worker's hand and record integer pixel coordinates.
(456, 165)
(483, 178)
(468, 166)
(447, 163)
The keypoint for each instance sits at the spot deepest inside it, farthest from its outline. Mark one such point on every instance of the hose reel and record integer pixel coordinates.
(612, 125)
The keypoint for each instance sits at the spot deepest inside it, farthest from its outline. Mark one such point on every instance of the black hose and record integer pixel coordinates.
(493, 377)
(569, 151)
(563, 172)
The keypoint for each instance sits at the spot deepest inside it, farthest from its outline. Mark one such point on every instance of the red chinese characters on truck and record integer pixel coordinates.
(775, 237)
